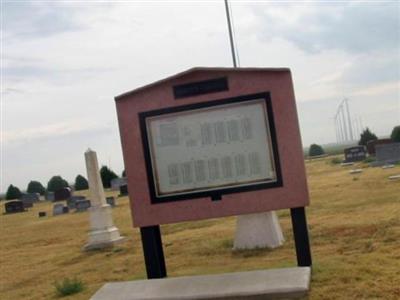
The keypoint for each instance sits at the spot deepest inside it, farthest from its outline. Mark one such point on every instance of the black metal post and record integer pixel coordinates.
(153, 252)
(301, 240)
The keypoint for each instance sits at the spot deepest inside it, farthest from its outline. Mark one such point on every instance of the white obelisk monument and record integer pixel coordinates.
(260, 230)
(102, 233)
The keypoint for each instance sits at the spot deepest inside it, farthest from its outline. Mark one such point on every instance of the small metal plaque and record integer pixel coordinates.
(200, 88)
(210, 149)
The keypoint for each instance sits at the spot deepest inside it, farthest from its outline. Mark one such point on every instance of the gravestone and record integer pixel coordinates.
(30, 197)
(62, 194)
(117, 182)
(372, 144)
(82, 205)
(49, 196)
(110, 201)
(387, 154)
(71, 202)
(58, 209)
(14, 206)
(353, 154)
(123, 190)
(355, 171)
(103, 233)
(27, 204)
(42, 214)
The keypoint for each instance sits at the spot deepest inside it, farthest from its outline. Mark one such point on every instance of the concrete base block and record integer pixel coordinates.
(258, 231)
(285, 283)
(99, 239)
(103, 244)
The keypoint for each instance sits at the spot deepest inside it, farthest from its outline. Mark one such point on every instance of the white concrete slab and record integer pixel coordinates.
(355, 171)
(394, 177)
(388, 167)
(255, 285)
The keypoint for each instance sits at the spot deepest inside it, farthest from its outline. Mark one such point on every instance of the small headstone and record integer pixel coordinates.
(30, 197)
(355, 171)
(65, 209)
(27, 204)
(42, 214)
(110, 201)
(387, 167)
(62, 194)
(123, 190)
(58, 209)
(49, 196)
(346, 164)
(82, 205)
(357, 153)
(14, 206)
(394, 177)
(71, 202)
(117, 182)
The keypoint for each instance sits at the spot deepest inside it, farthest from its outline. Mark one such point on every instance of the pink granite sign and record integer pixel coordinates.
(212, 142)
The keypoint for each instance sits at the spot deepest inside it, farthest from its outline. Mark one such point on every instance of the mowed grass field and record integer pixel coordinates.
(354, 223)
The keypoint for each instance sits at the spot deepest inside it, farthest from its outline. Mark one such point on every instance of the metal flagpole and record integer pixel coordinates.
(228, 18)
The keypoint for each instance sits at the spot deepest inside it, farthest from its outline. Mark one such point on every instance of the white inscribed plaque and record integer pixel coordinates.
(211, 148)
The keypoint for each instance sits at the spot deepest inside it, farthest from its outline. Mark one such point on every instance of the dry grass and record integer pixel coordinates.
(354, 226)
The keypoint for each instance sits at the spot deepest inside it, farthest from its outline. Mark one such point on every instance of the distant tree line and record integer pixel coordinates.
(57, 182)
(366, 136)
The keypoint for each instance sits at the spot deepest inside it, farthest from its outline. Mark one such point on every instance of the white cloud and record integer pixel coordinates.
(63, 62)
(51, 131)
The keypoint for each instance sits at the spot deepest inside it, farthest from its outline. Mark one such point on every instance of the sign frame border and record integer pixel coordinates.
(213, 194)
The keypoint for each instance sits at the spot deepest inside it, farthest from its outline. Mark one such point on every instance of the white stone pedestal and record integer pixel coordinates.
(260, 230)
(102, 233)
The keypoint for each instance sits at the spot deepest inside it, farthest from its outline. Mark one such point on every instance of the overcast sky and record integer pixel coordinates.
(62, 63)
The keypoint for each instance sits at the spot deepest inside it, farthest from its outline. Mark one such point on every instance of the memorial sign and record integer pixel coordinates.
(212, 142)
(240, 144)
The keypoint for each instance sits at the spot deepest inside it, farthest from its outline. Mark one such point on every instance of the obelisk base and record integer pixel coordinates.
(260, 230)
(103, 233)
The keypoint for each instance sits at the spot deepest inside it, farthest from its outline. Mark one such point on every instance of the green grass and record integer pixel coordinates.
(354, 231)
(68, 286)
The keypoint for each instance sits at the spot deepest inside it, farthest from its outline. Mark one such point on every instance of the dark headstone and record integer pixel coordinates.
(71, 202)
(14, 206)
(27, 204)
(49, 196)
(42, 214)
(110, 201)
(357, 153)
(372, 144)
(30, 197)
(58, 209)
(65, 209)
(62, 194)
(123, 190)
(387, 154)
(82, 205)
